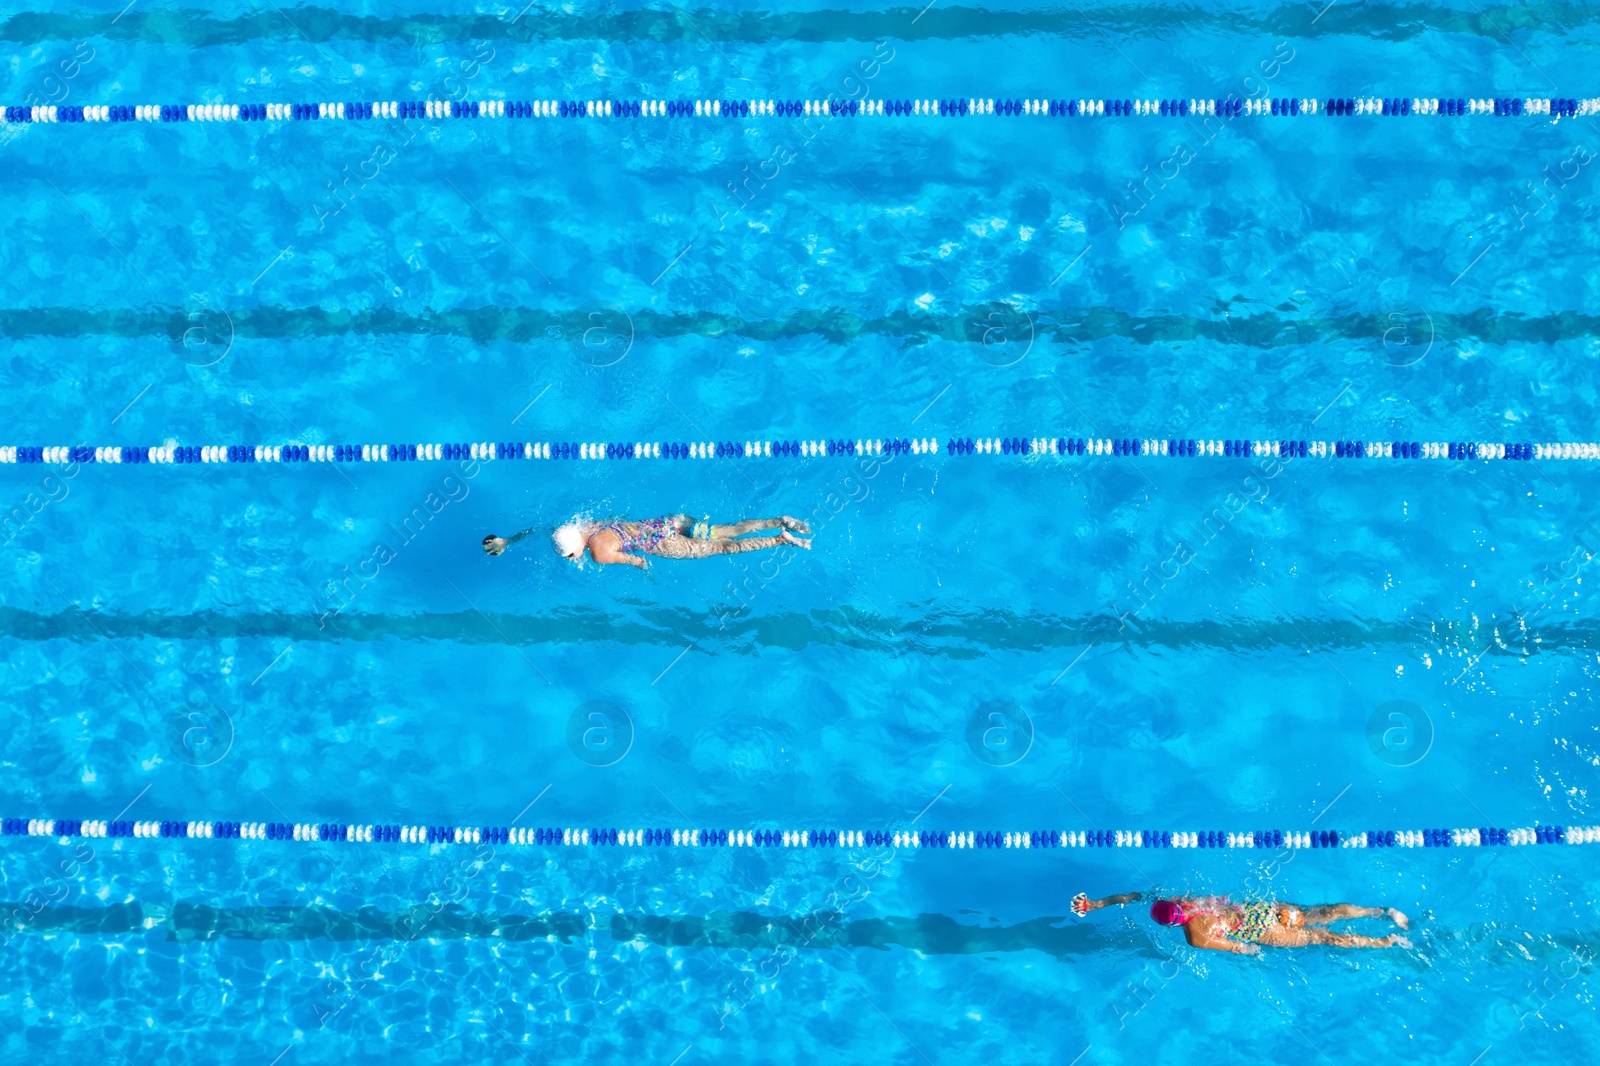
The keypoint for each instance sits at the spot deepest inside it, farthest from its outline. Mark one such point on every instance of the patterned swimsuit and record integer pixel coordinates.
(649, 537)
(1256, 919)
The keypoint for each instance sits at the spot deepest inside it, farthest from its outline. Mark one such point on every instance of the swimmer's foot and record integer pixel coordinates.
(790, 538)
(1395, 941)
(794, 525)
(1399, 919)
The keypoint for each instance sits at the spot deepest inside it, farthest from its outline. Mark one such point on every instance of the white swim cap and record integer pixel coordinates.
(570, 542)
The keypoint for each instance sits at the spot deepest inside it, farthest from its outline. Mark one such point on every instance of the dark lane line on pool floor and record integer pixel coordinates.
(835, 325)
(953, 634)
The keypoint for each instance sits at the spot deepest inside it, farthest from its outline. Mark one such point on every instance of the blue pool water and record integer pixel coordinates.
(599, 281)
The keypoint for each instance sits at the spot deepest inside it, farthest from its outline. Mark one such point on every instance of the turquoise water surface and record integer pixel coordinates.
(655, 280)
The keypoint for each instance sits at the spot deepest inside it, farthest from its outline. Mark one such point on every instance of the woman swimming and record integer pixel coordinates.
(1217, 923)
(671, 537)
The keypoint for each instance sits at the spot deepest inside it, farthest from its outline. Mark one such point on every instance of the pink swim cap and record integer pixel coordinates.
(1167, 912)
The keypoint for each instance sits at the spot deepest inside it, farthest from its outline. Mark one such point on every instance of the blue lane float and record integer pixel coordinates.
(1033, 448)
(971, 107)
(569, 836)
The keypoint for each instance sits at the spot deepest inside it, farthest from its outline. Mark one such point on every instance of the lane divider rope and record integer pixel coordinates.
(61, 454)
(309, 832)
(440, 110)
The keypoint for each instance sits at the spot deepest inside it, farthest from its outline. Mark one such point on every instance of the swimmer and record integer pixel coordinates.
(1217, 923)
(671, 537)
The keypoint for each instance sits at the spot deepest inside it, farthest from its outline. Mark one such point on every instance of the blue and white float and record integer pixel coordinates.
(1028, 448)
(1551, 108)
(764, 837)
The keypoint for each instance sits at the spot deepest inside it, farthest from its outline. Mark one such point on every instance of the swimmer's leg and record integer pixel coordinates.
(1299, 937)
(1338, 912)
(752, 525)
(749, 525)
(676, 547)
(1351, 940)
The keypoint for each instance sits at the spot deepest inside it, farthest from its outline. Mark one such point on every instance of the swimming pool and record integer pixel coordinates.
(1205, 644)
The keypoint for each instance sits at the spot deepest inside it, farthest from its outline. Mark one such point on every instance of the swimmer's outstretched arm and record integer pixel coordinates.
(1082, 904)
(493, 545)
